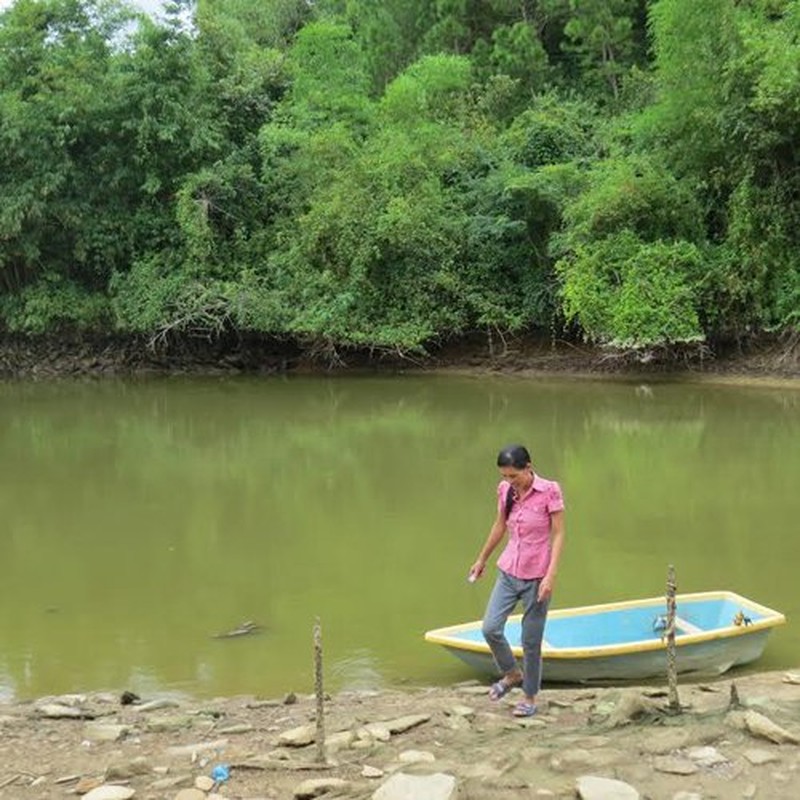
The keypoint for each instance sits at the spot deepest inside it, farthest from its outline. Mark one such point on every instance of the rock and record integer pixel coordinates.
(204, 783)
(337, 741)
(190, 794)
(687, 796)
(403, 724)
(371, 772)
(105, 732)
(674, 765)
(576, 758)
(107, 792)
(416, 757)
(631, 706)
(123, 770)
(59, 711)
(460, 711)
(376, 731)
(314, 787)
(665, 741)
(791, 677)
(706, 756)
(198, 747)
(298, 737)
(402, 786)
(759, 757)
(590, 787)
(749, 791)
(762, 726)
(171, 783)
(86, 784)
(157, 705)
(234, 729)
(168, 724)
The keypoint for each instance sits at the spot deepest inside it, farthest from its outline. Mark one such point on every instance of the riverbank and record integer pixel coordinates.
(760, 358)
(426, 743)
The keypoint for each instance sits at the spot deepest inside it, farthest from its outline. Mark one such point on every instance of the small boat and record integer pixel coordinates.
(626, 641)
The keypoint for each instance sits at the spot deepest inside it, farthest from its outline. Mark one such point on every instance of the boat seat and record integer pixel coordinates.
(686, 627)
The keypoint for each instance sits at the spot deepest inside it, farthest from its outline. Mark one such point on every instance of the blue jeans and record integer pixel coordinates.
(507, 592)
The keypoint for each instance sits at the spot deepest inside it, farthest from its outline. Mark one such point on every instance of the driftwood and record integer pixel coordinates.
(242, 630)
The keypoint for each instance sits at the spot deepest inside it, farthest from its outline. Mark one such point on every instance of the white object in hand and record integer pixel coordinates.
(472, 577)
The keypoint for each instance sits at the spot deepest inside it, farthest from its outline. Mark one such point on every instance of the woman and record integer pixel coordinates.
(531, 508)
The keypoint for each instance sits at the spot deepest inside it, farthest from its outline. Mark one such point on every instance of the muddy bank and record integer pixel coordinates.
(72, 355)
(448, 742)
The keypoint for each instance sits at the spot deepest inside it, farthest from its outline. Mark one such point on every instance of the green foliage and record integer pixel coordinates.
(386, 174)
(52, 304)
(631, 293)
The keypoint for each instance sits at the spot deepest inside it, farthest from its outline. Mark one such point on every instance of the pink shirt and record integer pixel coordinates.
(527, 554)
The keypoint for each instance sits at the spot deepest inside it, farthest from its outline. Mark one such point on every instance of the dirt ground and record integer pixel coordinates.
(775, 358)
(725, 744)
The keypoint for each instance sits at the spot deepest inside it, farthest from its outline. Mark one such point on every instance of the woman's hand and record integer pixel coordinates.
(476, 570)
(545, 588)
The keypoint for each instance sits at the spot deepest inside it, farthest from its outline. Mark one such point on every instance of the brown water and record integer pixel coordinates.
(141, 518)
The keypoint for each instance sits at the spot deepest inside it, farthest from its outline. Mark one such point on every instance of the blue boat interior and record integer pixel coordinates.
(625, 625)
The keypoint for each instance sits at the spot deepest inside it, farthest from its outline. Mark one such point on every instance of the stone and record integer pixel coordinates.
(107, 792)
(762, 726)
(401, 786)
(416, 757)
(706, 756)
(674, 765)
(576, 758)
(666, 741)
(59, 711)
(190, 794)
(749, 791)
(371, 772)
(376, 731)
(791, 677)
(460, 711)
(298, 737)
(204, 783)
(157, 705)
(199, 747)
(682, 795)
(314, 787)
(123, 770)
(403, 724)
(105, 732)
(234, 729)
(171, 783)
(168, 724)
(591, 787)
(758, 757)
(337, 741)
(86, 784)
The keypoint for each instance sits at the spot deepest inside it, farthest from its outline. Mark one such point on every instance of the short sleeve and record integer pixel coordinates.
(502, 490)
(555, 500)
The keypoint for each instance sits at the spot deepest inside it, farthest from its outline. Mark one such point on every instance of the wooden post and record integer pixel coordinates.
(319, 692)
(672, 670)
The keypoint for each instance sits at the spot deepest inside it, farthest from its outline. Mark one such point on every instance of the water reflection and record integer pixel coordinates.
(141, 518)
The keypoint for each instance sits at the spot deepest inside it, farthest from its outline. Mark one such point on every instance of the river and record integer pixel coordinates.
(141, 518)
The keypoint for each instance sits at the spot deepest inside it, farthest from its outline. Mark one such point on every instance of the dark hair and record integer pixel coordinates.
(514, 455)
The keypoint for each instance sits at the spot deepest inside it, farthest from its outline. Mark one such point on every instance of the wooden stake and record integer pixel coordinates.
(672, 670)
(319, 692)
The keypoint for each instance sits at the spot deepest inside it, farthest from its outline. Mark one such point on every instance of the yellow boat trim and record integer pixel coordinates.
(445, 637)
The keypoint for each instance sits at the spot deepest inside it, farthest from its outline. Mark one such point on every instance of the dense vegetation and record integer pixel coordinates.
(347, 172)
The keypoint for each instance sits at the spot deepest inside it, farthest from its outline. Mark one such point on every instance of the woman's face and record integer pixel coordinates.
(518, 478)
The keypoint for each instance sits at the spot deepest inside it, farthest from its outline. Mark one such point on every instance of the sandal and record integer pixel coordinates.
(524, 709)
(500, 689)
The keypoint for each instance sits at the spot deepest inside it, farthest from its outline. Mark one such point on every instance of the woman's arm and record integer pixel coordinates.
(556, 546)
(496, 533)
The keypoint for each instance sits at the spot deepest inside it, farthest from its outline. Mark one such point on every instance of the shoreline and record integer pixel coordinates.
(765, 361)
(449, 742)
